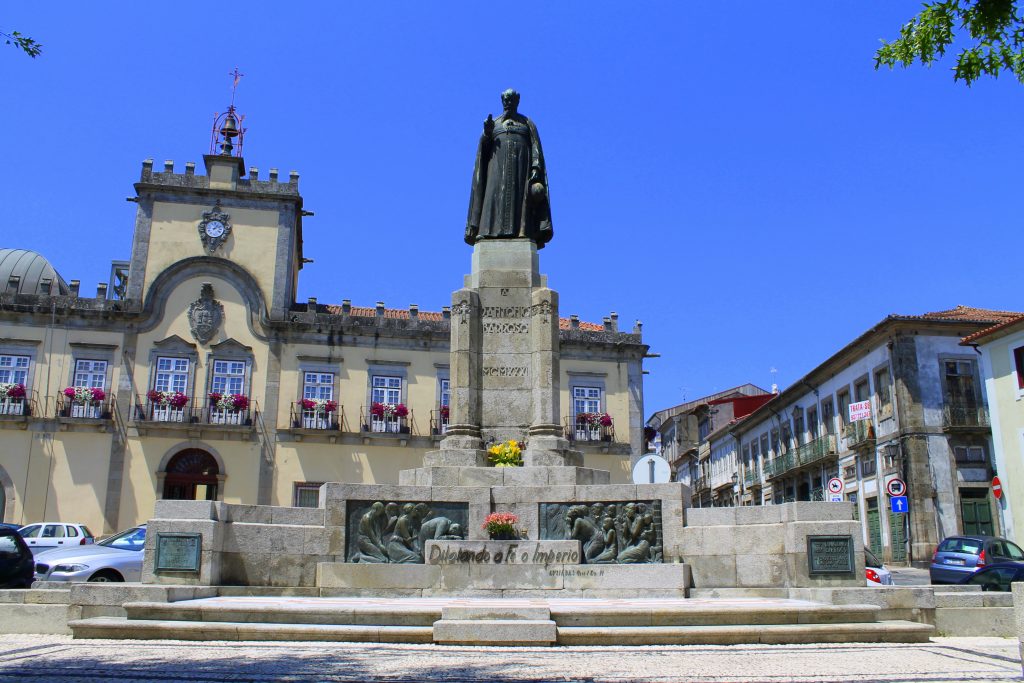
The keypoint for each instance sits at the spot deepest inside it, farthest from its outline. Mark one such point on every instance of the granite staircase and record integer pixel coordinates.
(538, 622)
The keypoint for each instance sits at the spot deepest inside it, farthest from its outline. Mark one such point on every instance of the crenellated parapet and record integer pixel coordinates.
(168, 178)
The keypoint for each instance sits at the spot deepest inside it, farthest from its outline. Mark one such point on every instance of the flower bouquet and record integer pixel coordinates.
(12, 399)
(167, 405)
(507, 454)
(501, 526)
(315, 412)
(82, 401)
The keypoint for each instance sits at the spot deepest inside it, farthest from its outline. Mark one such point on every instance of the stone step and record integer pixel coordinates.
(519, 632)
(153, 629)
(878, 632)
(274, 612)
(707, 613)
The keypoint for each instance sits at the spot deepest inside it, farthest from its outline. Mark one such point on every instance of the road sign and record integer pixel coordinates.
(861, 410)
(896, 487)
(835, 485)
(899, 504)
(835, 498)
(997, 488)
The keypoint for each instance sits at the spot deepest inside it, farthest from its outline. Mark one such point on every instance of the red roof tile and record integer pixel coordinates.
(968, 314)
(971, 338)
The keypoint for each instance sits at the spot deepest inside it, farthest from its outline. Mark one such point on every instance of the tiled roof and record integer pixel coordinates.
(971, 338)
(968, 314)
(403, 314)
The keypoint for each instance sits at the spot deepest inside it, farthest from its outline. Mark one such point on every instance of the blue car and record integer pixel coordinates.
(996, 577)
(957, 557)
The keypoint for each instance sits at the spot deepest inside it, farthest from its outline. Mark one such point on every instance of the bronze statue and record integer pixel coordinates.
(509, 198)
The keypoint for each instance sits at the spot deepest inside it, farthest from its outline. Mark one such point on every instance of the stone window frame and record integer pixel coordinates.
(797, 416)
(443, 374)
(868, 459)
(106, 353)
(300, 486)
(1017, 369)
(174, 347)
(844, 411)
(230, 350)
(587, 380)
(862, 381)
(884, 410)
(387, 368)
(320, 365)
(979, 390)
(828, 414)
(812, 432)
(23, 347)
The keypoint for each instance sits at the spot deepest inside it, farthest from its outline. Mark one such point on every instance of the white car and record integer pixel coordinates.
(118, 558)
(877, 574)
(49, 535)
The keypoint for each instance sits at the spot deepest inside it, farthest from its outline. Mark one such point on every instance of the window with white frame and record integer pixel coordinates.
(586, 400)
(228, 377)
(318, 385)
(307, 494)
(445, 400)
(91, 373)
(13, 369)
(387, 390)
(171, 374)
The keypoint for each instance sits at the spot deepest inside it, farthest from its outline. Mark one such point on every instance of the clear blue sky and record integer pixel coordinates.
(736, 175)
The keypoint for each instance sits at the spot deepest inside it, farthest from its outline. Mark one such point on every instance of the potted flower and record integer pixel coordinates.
(12, 399)
(387, 417)
(227, 408)
(316, 412)
(84, 401)
(167, 406)
(501, 526)
(442, 421)
(506, 454)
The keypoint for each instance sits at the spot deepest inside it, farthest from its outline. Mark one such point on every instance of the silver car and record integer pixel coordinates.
(118, 558)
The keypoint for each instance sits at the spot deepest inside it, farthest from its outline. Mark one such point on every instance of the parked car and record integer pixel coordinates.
(876, 572)
(996, 577)
(959, 556)
(118, 558)
(15, 560)
(49, 535)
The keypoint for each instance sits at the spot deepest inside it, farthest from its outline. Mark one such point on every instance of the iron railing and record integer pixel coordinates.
(958, 412)
(583, 431)
(384, 424)
(208, 413)
(85, 410)
(301, 418)
(439, 420)
(701, 484)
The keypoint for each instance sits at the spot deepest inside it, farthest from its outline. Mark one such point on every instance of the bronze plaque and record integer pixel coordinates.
(178, 552)
(830, 555)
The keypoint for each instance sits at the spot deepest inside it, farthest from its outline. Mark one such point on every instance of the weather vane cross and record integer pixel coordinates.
(234, 85)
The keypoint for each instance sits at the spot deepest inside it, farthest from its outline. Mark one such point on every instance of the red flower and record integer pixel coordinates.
(444, 412)
(17, 391)
(401, 410)
(377, 409)
(98, 394)
(154, 396)
(307, 404)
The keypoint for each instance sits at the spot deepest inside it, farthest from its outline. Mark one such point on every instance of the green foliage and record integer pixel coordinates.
(995, 29)
(23, 43)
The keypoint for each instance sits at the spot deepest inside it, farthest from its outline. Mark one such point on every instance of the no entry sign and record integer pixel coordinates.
(997, 488)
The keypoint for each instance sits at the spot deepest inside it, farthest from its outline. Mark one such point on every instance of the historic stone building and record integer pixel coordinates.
(196, 374)
(928, 425)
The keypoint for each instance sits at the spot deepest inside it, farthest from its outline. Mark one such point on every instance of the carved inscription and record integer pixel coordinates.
(506, 371)
(506, 328)
(505, 311)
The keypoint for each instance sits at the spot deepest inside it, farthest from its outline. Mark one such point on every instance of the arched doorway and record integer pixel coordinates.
(191, 475)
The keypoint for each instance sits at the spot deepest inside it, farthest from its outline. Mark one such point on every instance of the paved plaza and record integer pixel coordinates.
(59, 658)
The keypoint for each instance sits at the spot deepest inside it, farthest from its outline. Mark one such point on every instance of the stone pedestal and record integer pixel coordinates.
(504, 361)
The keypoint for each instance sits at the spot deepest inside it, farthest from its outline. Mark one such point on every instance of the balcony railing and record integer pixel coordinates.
(751, 477)
(959, 413)
(302, 418)
(439, 421)
(701, 484)
(816, 450)
(207, 414)
(85, 410)
(384, 424)
(859, 434)
(16, 407)
(585, 431)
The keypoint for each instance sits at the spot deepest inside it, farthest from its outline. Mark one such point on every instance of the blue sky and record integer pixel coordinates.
(736, 175)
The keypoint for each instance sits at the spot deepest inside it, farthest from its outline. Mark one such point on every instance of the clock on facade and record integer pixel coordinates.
(214, 228)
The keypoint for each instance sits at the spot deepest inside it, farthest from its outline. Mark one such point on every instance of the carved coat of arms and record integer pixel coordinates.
(205, 315)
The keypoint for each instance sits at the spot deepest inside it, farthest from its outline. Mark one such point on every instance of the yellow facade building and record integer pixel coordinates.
(1002, 366)
(196, 374)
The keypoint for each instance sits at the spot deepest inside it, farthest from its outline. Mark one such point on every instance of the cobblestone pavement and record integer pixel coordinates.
(59, 658)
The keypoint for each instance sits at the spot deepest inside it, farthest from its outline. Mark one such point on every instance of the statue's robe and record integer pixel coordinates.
(500, 205)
